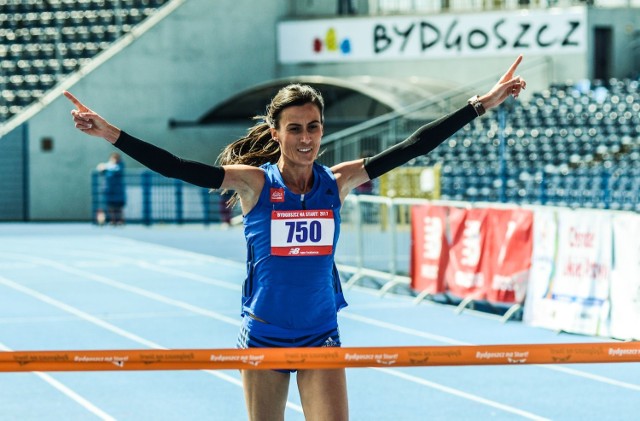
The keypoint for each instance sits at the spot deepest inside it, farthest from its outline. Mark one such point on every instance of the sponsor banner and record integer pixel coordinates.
(302, 232)
(572, 293)
(510, 243)
(317, 358)
(469, 266)
(487, 256)
(430, 249)
(625, 279)
(434, 36)
(543, 264)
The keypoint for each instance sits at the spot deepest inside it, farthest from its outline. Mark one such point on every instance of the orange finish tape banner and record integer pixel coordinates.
(318, 358)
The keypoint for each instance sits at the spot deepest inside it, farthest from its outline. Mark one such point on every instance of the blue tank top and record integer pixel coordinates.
(292, 282)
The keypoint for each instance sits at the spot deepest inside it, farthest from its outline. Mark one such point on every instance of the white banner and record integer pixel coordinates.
(545, 230)
(550, 32)
(571, 272)
(625, 283)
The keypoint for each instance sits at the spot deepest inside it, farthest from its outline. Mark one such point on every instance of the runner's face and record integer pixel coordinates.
(299, 134)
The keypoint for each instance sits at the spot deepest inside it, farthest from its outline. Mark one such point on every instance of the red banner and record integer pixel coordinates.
(510, 243)
(487, 256)
(468, 268)
(430, 250)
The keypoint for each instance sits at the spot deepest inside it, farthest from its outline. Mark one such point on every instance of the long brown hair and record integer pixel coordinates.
(257, 147)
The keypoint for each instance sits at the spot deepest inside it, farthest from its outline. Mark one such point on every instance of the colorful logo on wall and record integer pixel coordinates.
(331, 43)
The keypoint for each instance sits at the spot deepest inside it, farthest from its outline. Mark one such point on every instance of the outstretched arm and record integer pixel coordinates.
(428, 137)
(151, 156)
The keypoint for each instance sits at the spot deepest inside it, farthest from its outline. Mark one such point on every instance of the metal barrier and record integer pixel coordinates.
(375, 241)
(376, 244)
(376, 231)
(152, 198)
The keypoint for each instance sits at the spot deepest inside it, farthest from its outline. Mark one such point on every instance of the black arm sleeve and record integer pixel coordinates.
(423, 141)
(169, 165)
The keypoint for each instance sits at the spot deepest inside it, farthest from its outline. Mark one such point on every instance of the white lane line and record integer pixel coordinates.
(103, 279)
(112, 328)
(596, 377)
(447, 340)
(115, 316)
(401, 329)
(192, 276)
(76, 312)
(157, 266)
(129, 288)
(433, 385)
(69, 393)
(459, 393)
(180, 252)
(410, 331)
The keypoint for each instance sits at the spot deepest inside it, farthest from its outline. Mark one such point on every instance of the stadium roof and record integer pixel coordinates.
(348, 100)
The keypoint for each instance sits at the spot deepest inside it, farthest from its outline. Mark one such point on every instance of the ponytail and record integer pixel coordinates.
(255, 149)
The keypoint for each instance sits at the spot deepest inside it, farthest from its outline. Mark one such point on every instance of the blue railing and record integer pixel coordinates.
(151, 198)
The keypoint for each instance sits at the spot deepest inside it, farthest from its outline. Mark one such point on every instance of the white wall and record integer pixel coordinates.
(196, 57)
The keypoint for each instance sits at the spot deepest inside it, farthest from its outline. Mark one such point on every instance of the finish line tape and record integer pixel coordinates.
(318, 358)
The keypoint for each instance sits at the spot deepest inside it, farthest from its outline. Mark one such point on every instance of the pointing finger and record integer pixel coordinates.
(515, 64)
(512, 69)
(79, 105)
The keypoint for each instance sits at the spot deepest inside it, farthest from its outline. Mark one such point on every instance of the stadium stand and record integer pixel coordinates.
(43, 41)
(575, 145)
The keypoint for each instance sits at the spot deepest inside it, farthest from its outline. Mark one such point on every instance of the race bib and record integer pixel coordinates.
(302, 232)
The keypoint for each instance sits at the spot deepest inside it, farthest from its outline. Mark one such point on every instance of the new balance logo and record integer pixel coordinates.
(277, 195)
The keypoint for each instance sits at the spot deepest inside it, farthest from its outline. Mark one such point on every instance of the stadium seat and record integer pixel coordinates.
(562, 147)
(41, 40)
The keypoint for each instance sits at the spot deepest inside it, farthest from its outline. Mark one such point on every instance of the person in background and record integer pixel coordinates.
(291, 208)
(115, 196)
